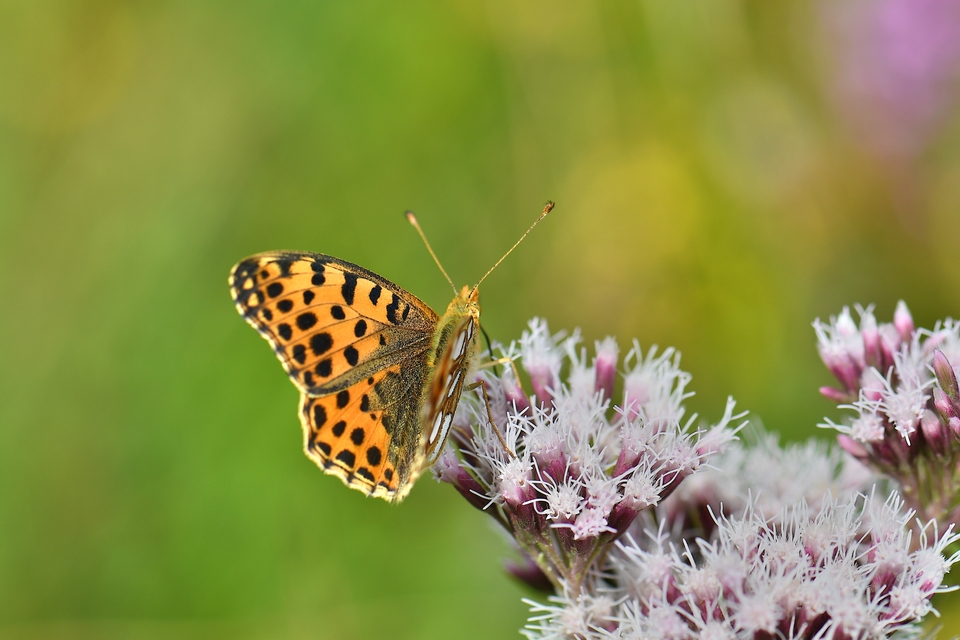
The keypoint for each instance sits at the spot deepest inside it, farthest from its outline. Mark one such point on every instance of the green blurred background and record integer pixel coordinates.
(724, 171)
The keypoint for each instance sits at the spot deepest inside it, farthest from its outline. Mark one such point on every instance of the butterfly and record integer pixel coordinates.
(379, 372)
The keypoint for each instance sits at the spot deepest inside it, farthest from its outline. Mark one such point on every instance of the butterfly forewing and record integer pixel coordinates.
(380, 373)
(331, 323)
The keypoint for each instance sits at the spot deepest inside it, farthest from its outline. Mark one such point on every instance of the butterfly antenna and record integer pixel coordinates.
(546, 210)
(412, 219)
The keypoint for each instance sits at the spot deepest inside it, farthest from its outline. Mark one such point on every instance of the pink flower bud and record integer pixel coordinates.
(517, 400)
(620, 519)
(606, 366)
(946, 407)
(873, 385)
(543, 381)
(883, 580)
(872, 354)
(529, 573)
(447, 466)
(448, 469)
(844, 368)
(889, 344)
(516, 483)
(853, 447)
(946, 376)
(933, 432)
(555, 469)
(903, 321)
(836, 395)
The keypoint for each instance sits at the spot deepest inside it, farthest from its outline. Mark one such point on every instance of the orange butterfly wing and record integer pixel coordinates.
(331, 323)
(357, 346)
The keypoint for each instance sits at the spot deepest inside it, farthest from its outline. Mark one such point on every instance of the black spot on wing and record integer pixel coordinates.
(337, 312)
(324, 368)
(246, 268)
(307, 296)
(352, 356)
(338, 428)
(318, 277)
(285, 331)
(250, 299)
(284, 306)
(343, 398)
(300, 353)
(349, 287)
(319, 415)
(320, 343)
(306, 320)
(392, 309)
(357, 436)
(374, 456)
(274, 289)
(375, 294)
(284, 264)
(347, 458)
(364, 473)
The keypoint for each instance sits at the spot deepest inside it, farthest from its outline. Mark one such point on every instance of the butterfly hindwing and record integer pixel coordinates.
(331, 323)
(449, 376)
(369, 434)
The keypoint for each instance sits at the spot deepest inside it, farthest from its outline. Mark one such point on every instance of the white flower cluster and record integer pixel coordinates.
(849, 351)
(560, 469)
(886, 370)
(769, 478)
(645, 526)
(901, 384)
(848, 570)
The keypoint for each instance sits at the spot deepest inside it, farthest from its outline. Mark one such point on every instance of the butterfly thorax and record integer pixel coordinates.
(463, 309)
(450, 359)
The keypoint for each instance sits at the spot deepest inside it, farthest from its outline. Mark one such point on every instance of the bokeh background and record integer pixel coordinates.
(725, 171)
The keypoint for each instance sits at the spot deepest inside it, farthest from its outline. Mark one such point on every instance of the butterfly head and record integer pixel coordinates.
(467, 303)
(463, 309)
(471, 298)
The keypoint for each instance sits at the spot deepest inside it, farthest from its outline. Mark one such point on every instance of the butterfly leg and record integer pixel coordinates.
(513, 365)
(486, 401)
(498, 361)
